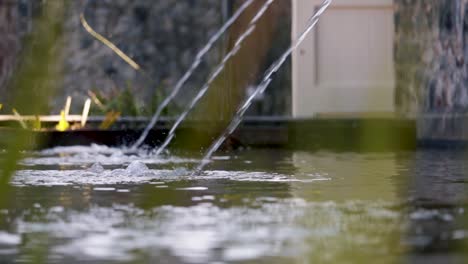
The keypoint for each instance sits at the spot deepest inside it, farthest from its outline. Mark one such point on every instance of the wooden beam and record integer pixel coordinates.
(48, 118)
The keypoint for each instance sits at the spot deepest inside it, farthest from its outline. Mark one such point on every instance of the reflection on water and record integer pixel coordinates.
(205, 232)
(254, 206)
(353, 176)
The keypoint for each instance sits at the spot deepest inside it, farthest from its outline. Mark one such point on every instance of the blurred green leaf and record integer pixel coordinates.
(36, 76)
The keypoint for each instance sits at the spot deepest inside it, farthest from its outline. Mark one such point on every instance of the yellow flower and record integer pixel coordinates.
(63, 124)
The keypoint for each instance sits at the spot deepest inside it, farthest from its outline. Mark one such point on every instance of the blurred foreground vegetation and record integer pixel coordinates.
(36, 77)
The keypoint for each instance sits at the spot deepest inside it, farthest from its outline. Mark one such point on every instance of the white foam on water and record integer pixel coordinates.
(104, 189)
(287, 227)
(208, 197)
(157, 183)
(247, 252)
(426, 214)
(137, 168)
(93, 148)
(138, 173)
(193, 189)
(96, 168)
(97, 154)
(9, 239)
(73, 177)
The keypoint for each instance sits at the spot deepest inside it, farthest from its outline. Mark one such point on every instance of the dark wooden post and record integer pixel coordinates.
(244, 69)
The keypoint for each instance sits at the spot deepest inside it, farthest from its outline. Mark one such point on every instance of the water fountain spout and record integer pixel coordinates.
(266, 80)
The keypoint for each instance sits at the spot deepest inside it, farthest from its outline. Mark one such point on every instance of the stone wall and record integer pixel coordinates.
(161, 36)
(164, 37)
(15, 22)
(431, 50)
(431, 54)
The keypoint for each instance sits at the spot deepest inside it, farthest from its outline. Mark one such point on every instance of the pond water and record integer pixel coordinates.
(102, 205)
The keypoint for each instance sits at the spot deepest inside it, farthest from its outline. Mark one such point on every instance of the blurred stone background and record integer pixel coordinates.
(161, 36)
(15, 23)
(431, 54)
(431, 51)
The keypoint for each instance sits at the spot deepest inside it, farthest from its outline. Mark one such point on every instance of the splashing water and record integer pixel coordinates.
(261, 87)
(214, 75)
(190, 71)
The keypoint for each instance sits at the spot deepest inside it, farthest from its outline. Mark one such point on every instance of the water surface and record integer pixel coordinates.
(104, 205)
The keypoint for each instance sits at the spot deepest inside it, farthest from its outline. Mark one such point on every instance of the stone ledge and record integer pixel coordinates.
(330, 134)
(442, 128)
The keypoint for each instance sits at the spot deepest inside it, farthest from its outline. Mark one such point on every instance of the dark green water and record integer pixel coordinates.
(253, 206)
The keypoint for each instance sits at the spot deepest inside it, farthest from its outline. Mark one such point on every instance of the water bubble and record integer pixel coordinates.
(57, 209)
(96, 168)
(137, 168)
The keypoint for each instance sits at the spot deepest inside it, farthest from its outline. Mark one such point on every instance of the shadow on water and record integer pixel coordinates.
(435, 184)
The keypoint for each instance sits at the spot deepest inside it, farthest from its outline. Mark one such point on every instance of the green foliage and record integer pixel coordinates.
(126, 103)
(34, 80)
(157, 98)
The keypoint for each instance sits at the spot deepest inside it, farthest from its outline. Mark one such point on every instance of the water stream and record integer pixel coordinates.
(190, 71)
(261, 87)
(250, 29)
(98, 204)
